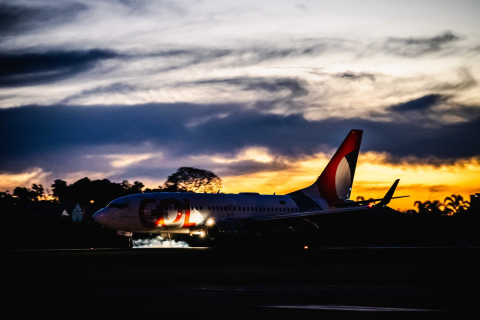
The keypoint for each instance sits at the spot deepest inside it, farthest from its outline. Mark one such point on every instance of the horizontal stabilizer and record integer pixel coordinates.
(368, 201)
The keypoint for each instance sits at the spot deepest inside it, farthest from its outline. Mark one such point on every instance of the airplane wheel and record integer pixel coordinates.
(130, 243)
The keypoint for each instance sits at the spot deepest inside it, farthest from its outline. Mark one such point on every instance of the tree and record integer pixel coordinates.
(98, 192)
(189, 179)
(38, 190)
(430, 207)
(422, 206)
(6, 197)
(134, 188)
(60, 190)
(455, 204)
(24, 194)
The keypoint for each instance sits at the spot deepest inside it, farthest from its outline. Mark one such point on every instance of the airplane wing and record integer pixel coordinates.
(348, 207)
(308, 213)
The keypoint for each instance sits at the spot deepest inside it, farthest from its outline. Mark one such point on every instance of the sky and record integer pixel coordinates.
(262, 93)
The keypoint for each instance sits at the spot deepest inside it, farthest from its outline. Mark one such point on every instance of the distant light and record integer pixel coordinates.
(210, 222)
(305, 247)
(92, 201)
(370, 205)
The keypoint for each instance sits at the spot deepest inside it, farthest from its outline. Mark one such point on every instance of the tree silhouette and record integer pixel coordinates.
(452, 205)
(429, 207)
(436, 207)
(25, 194)
(455, 204)
(422, 206)
(189, 179)
(98, 192)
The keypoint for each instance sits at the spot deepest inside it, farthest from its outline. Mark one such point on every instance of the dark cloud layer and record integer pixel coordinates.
(34, 68)
(420, 104)
(48, 137)
(16, 19)
(415, 47)
(295, 86)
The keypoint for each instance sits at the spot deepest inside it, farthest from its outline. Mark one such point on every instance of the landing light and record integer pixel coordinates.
(210, 222)
(305, 247)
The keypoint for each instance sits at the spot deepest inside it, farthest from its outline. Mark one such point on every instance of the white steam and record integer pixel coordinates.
(159, 242)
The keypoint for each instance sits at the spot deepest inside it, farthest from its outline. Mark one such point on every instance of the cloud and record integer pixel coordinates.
(355, 76)
(114, 88)
(295, 86)
(60, 138)
(15, 18)
(429, 111)
(35, 68)
(467, 81)
(32, 175)
(420, 104)
(415, 47)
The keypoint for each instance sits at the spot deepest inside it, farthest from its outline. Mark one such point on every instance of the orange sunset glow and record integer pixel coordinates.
(373, 177)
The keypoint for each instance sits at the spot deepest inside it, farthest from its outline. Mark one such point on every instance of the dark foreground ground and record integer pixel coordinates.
(222, 283)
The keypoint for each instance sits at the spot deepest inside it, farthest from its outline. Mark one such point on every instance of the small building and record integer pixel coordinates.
(64, 214)
(77, 214)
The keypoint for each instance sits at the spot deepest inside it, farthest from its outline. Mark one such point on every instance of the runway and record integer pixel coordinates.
(259, 301)
(274, 283)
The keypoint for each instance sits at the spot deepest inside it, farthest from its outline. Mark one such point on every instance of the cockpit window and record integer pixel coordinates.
(118, 205)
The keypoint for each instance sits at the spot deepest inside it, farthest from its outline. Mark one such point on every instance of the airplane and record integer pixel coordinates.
(246, 214)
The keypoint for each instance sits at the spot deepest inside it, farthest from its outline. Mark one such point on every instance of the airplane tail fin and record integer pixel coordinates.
(389, 195)
(335, 183)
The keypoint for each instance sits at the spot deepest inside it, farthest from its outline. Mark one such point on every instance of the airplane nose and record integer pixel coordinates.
(101, 216)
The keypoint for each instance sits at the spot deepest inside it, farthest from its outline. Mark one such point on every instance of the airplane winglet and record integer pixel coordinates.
(388, 196)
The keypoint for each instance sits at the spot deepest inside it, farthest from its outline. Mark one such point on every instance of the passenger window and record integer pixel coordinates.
(201, 208)
(209, 208)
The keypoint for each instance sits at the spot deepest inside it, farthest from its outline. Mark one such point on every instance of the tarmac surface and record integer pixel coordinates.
(232, 283)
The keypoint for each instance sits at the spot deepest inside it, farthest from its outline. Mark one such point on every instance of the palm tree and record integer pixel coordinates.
(429, 207)
(422, 206)
(435, 207)
(456, 204)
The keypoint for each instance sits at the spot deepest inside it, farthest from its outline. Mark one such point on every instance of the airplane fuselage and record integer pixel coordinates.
(182, 212)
